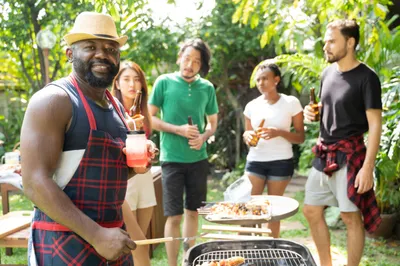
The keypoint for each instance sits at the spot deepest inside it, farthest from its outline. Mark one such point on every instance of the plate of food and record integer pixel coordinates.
(255, 209)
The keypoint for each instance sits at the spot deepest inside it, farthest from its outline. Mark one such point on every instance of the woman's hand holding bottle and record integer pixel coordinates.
(268, 133)
(250, 138)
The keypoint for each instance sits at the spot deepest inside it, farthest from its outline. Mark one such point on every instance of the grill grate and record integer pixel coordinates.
(255, 257)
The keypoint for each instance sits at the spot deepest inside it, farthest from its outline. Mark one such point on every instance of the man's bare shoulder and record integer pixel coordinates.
(49, 93)
(50, 103)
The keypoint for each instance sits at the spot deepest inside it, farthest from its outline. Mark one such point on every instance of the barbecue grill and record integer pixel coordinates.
(277, 252)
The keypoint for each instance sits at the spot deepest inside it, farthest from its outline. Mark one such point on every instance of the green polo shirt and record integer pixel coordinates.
(177, 99)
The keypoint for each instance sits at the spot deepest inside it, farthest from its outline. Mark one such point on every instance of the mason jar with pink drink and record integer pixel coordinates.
(136, 149)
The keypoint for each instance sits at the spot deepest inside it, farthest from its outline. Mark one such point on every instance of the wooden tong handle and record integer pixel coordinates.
(153, 241)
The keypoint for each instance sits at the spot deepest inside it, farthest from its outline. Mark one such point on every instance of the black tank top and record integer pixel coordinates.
(107, 119)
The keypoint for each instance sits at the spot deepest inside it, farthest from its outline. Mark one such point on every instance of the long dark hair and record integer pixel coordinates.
(145, 92)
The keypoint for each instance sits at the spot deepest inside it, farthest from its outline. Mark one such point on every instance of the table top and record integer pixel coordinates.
(281, 208)
(155, 170)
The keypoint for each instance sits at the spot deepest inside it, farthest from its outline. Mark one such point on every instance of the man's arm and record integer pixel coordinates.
(211, 126)
(186, 131)
(42, 138)
(364, 180)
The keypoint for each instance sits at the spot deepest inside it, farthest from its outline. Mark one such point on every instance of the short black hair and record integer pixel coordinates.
(204, 50)
(269, 65)
(348, 28)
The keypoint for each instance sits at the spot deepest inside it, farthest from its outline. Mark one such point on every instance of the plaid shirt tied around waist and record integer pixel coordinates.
(355, 151)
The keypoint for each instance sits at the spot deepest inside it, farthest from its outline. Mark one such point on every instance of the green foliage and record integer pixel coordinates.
(234, 175)
(295, 28)
(388, 162)
(10, 126)
(231, 45)
(154, 48)
(22, 67)
(300, 70)
(235, 53)
(21, 22)
(305, 160)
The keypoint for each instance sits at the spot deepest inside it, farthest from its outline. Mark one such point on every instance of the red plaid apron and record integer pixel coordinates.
(98, 189)
(355, 151)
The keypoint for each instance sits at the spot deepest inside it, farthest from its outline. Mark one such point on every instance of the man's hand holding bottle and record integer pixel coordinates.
(312, 111)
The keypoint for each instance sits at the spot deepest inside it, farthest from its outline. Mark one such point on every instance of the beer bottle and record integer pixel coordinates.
(135, 111)
(190, 121)
(256, 138)
(314, 104)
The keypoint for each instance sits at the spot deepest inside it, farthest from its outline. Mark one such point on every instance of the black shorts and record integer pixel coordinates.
(177, 178)
(272, 170)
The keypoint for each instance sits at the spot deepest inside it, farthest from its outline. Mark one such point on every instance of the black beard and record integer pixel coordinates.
(337, 57)
(187, 77)
(96, 82)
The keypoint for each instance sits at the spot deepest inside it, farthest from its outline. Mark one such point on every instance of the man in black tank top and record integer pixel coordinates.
(79, 221)
(342, 173)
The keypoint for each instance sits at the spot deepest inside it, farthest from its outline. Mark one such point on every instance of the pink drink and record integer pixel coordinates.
(136, 149)
(137, 160)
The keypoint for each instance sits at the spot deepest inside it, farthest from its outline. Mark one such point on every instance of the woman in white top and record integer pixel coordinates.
(270, 162)
(140, 197)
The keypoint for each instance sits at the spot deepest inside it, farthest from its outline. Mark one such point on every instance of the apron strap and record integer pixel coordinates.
(92, 120)
(111, 98)
(89, 113)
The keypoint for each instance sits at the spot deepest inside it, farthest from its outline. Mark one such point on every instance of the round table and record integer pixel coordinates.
(281, 208)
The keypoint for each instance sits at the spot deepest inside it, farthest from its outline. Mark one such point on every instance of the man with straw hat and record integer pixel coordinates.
(75, 170)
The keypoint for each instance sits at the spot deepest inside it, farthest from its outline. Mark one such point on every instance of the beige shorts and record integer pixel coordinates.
(140, 192)
(322, 190)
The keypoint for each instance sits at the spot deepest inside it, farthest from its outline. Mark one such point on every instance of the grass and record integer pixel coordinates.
(214, 194)
(18, 202)
(377, 252)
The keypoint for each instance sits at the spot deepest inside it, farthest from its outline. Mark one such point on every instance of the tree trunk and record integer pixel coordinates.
(238, 135)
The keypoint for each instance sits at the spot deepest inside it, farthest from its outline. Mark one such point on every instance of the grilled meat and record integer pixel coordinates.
(234, 261)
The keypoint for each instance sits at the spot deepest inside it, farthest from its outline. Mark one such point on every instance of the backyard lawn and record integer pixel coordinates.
(377, 252)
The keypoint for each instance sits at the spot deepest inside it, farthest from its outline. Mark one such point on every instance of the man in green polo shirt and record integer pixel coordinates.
(183, 147)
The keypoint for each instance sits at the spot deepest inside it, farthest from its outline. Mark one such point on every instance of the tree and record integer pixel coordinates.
(22, 70)
(236, 52)
(292, 25)
(298, 27)
(21, 22)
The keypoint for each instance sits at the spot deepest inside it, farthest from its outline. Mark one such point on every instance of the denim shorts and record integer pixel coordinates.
(278, 170)
(178, 178)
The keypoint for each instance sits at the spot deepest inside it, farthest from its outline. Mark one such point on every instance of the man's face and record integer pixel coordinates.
(97, 61)
(189, 63)
(336, 45)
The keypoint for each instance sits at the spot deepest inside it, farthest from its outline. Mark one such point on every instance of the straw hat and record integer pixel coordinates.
(91, 25)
